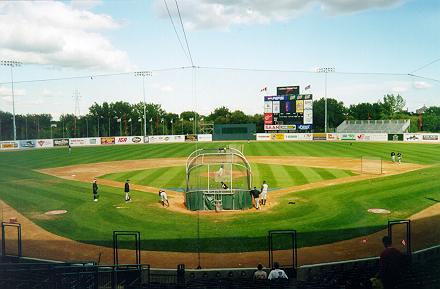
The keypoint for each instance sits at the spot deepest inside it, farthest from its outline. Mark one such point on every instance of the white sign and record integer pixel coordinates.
(287, 127)
(74, 142)
(371, 137)
(44, 143)
(308, 104)
(298, 136)
(276, 107)
(166, 138)
(308, 116)
(128, 140)
(271, 127)
(204, 137)
(263, 136)
(268, 107)
(421, 137)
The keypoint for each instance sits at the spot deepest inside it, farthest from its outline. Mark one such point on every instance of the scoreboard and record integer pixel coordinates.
(289, 112)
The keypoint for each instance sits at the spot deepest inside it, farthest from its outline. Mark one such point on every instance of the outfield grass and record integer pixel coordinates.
(320, 215)
(278, 176)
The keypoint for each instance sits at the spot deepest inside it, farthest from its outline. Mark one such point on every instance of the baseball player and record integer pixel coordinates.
(220, 171)
(399, 157)
(163, 198)
(224, 186)
(263, 196)
(127, 191)
(95, 190)
(256, 194)
(393, 157)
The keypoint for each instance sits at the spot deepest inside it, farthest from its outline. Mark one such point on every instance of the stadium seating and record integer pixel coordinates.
(374, 126)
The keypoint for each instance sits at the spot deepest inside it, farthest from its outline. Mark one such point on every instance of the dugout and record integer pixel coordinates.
(218, 179)
(245, 131)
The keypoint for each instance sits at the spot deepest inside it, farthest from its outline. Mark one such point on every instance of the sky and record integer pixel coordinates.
(237, 48)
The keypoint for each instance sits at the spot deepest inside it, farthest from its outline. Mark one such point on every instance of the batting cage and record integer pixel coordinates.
(218, 179)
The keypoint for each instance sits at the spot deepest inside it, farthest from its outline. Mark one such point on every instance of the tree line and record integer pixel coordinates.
(122, 119)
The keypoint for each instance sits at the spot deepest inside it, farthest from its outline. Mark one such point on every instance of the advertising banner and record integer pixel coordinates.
(268, 118)
(372, 137)
(271, 127)
(276, 107)
(300, 106)
(128, 140)
(347, 136)
(27, 144)
(319, 136)
(268, 107)
(304, 127)
(395, 137)
(308, 116)
(263, 136)
(108, 140)
(332, 136)
(277, 136)
(74, 142)
(204, 137)
(298, 136)
(44, 143)
(287, 127)
(166, 138)
(191, 137)
(8, 145)
(412, 137)
(60, 142)
(94, 141)
(430, 137)
(421, 137)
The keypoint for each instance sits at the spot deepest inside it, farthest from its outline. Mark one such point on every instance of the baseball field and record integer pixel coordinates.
(316, 188)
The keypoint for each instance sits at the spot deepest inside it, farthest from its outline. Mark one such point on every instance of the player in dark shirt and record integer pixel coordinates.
(95, 190)
(393, 157)
(224, 186)
(127, 191)
(256, 194)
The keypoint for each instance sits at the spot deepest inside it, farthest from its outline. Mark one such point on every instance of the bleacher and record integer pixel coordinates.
(391, 126)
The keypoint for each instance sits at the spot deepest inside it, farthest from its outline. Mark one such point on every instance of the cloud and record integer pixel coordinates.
(421, 85)
(6, 93)
(221, 14)
(58, 34)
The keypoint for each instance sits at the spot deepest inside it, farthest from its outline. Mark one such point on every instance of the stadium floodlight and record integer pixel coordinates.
(11, 64)
(325, 70)
(143, 74)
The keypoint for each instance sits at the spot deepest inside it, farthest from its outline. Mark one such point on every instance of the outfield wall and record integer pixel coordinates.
(94, 141)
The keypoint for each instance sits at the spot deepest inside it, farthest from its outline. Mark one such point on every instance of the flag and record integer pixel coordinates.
(263, 89)
(307, 87)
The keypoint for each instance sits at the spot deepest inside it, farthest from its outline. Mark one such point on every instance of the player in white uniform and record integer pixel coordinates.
(220, 171)
(263, 196)
(164, 198)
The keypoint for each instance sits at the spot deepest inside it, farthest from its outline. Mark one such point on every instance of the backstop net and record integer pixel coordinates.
(218, 179)
(371, 165)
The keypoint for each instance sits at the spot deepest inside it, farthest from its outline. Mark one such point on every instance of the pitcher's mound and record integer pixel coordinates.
(379, 211)
(56, 212)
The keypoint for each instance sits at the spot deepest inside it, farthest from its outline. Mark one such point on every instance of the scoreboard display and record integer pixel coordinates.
(288, 112)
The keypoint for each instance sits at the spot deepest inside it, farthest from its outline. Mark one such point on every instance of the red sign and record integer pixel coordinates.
(268, 118)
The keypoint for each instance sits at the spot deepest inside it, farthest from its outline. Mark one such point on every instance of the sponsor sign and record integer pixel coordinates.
(319, 136)
(78, 142)
(268, 106)
(272, 98)
(298, 136)
(60, 142)
(9, 145)
(94, 141)
(430, 137)
(271, 127)
(308, 116)
(166, 138)
(277, 136)
(276, 107)
(268, 118)
(332, 136)
(287, 127)
(108, 140)
(395, 137)
(304, 127)
(204, 137)
(347, 136)
(371, 137)
(191, 137)
(44, 143)
(300, 106)
(263, 136)
(27, 144)
(128, 139)
(285, 90)
(412, 137)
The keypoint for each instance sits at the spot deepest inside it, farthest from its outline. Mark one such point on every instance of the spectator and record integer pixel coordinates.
(260, 274)
(277, 273)
(390, 265)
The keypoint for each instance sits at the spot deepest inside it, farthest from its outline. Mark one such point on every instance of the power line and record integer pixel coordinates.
(175, 30)
(423, 77)
(426, 65)
(184, 33)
